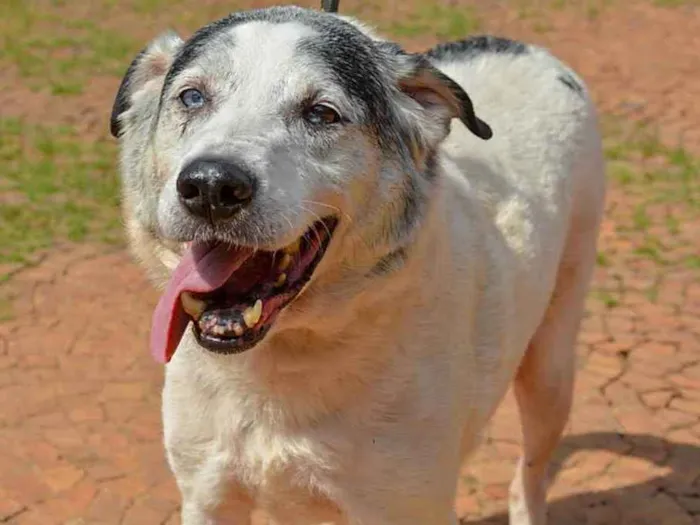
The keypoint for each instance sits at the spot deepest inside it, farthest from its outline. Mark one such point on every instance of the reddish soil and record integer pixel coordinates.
(80, 424)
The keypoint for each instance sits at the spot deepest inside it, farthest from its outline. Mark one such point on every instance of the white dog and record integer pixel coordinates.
(356, 261)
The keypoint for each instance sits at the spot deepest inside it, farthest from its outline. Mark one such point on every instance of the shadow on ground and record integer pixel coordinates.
(652, 502)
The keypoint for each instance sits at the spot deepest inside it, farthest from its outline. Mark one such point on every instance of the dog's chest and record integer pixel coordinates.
(288, 474)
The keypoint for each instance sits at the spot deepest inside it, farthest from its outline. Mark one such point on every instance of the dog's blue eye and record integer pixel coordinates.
(321, 114)
(192, 98)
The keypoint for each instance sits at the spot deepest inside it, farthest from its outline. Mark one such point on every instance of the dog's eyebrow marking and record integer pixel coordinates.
(389, 263)
(475, 46)
(189, 52)
(570, 82)
(349, 55)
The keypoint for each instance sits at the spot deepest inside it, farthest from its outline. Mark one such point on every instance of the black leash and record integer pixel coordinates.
(330, 6)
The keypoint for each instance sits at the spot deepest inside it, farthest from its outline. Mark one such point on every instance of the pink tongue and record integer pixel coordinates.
(202, 269)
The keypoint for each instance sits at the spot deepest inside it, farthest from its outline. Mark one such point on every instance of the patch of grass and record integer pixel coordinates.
(57, 51)
(641, 218)
(608, 299)
(676, 3)
(621, 173)
(536, 11)
(444, 21)
(56, 187)
(652, 292)
(5, 309)
(656, 192)
(672, 224)
(638, 158)
(152, 6)
(651, 249)
(693, 262)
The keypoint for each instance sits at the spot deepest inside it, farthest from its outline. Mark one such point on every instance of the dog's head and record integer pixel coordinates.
(270, 142)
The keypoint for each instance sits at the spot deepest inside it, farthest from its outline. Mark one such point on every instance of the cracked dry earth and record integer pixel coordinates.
(80, 427)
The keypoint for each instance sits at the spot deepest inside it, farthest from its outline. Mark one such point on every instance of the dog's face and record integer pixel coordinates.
(286, 131)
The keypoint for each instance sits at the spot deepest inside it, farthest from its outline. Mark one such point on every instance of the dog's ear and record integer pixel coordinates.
(148, 69)
(441, 98)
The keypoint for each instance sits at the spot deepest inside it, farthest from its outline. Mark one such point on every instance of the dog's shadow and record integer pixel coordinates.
(670, 499)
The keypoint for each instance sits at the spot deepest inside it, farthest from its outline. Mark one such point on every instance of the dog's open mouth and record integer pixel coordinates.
(236, 316)
(232, 294)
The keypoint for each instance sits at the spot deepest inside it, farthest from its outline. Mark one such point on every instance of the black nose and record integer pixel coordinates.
(215, 189)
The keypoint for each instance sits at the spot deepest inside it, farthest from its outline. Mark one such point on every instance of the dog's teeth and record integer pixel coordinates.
(219, 329)
(193, 306)
(238, 330)
(252, 314)
(285, 262)
(281, 279)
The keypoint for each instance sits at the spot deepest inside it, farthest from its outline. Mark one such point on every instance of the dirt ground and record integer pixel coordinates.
(80, 433)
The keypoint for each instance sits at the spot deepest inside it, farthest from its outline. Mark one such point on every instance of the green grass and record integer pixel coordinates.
(609, 299)
(55, 187)
(693, 262)
(444, 22)
(52, 50)
(536, 11)
(652, 249)
(676, 3)
(657, 189)
(639, 160)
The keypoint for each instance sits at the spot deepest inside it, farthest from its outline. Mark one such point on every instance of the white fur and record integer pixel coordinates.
(369, 425)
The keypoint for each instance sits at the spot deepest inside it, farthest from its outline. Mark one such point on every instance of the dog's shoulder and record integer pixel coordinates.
(506, 57)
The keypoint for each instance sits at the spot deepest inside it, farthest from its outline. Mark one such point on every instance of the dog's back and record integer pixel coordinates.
(541, 175)
(537, 191)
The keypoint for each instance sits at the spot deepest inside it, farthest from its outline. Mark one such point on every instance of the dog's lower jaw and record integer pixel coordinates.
(318, 342)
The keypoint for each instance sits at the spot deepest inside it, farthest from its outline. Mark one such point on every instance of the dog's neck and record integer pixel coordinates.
(317, 368)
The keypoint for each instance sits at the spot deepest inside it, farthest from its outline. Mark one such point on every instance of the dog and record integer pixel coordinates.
(360, 249)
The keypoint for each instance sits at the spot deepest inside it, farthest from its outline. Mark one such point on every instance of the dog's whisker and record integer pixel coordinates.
(319, 221)
(334, 208)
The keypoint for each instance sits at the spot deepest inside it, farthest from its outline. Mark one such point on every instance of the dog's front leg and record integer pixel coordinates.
(380, 518)
(194, 514)
(210, 494)
(396, 508)
(203, 509)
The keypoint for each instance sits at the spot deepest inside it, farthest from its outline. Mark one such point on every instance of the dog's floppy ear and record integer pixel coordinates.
(151, 64)
(440, 96)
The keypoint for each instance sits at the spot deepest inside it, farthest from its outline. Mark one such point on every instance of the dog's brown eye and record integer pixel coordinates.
(319, 114)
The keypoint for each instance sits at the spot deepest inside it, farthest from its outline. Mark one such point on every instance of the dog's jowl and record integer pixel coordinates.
(359, 250)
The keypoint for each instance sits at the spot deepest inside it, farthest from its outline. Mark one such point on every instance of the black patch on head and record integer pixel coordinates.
(351, 59)
(192, 49)
(390, 262)
(351, 56)
(570, 82)
(475, 46)
(121, 101)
